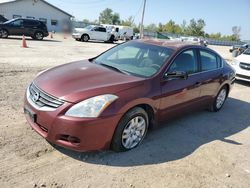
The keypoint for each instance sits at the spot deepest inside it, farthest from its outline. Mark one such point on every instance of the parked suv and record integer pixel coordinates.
(29, 27)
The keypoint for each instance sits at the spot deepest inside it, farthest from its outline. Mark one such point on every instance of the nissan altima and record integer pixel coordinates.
(110, 101)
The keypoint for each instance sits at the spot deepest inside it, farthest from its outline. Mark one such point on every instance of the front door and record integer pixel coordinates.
(16, 27)
(179, 93)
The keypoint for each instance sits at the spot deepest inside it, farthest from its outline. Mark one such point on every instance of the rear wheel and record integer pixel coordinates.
(131, 130)
(4, 33)
(38, 35)
(85, 38)
(219, 99)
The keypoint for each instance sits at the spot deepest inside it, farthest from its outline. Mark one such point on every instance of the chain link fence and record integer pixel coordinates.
(162, 35)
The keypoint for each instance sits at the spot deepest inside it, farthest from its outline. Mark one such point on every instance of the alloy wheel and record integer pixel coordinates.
(39, 36)
(221, 98)
(134, 132)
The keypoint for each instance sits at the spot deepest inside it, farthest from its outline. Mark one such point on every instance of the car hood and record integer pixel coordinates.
(243, 58)
(76, 81)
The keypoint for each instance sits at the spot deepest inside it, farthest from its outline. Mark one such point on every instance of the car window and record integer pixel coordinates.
(17, 23)
(208, 61)
(100, 29)
(30, 23)
(186, 62)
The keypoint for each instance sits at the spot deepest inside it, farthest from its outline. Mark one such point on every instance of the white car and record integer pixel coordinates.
(93, 32)
(242, 66)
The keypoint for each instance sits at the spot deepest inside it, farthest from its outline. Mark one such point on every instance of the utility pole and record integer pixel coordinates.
(142, 19)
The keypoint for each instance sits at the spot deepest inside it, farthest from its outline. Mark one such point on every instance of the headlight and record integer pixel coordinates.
(91, 107)
(235, 62)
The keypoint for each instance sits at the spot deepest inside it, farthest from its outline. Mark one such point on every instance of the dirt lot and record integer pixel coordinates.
(202, 149)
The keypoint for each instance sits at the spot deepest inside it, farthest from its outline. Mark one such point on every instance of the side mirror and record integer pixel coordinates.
(176, 75)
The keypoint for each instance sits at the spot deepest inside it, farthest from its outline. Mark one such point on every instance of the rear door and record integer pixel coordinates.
(178, 94)
(210, 73)
(30, 27)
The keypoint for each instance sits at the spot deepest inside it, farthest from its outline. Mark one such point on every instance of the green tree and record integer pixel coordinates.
(215, 35)
(116, 19)
(172, 27)
(128, 22)
(184, 26)
(86, 21)
(196, 28)
(108, 17)
(160, 27)
(236, 32)
(151, 27)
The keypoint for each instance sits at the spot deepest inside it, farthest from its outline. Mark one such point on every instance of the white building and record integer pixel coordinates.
(54, 17)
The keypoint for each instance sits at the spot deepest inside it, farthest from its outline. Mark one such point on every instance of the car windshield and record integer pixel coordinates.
(247, 51)
(135, 58)
(9, 21)
(89, 27)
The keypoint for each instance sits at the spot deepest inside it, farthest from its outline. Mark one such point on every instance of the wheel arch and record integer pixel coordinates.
(147, 105)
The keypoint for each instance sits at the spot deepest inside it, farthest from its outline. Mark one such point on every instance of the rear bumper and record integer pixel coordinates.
(79, 134)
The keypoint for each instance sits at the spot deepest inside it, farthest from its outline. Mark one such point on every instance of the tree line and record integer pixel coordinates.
(193, 28)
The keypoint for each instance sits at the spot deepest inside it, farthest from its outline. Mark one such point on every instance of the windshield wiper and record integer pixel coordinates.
(114, 68)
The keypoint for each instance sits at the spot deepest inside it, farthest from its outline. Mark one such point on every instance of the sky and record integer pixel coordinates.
(219, 15)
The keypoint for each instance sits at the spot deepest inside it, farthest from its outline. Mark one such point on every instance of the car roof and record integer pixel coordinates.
(175, 45)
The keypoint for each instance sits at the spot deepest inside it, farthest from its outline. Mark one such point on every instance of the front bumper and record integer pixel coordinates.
(241, 74)
(76, 35)
(79, 134)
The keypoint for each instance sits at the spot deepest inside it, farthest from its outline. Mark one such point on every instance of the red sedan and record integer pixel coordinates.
(111, 100)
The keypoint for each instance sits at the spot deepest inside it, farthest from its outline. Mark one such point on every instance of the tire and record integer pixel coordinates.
(112, 38)
(85, 38)
(131, 130)
(4, 33)
(38, 36)
(219, 99)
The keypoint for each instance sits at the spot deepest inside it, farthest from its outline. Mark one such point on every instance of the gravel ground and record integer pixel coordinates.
(201, 149)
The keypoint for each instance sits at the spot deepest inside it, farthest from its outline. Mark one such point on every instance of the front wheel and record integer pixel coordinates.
(85, 38)
(4, 33)
(131, 130)
(219, 99)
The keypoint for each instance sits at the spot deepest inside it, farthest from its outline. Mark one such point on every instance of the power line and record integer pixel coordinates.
(138, 10)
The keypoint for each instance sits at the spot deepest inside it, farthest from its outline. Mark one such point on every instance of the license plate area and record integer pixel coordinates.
(30, 113)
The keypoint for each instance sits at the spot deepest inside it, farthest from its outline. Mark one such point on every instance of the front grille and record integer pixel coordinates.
(245, 66)
(42, 99)
(243, 76)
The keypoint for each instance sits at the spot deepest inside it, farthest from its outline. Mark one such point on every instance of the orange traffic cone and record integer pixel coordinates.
(24, 44)
(51, 35)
